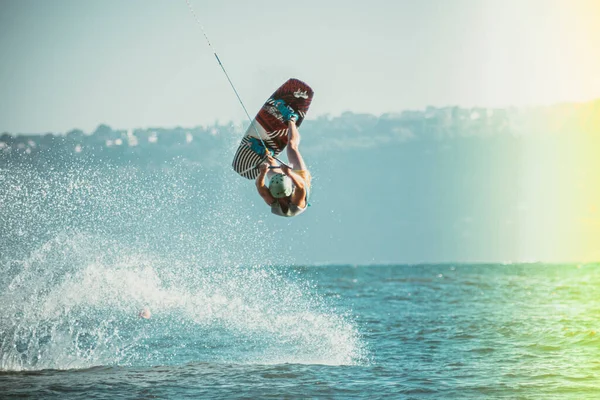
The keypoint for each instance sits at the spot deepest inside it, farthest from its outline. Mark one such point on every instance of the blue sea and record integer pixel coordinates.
(399, 331)
(127, 282)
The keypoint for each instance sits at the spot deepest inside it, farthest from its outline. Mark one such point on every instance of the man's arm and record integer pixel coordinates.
(263, 190)
(299, 196)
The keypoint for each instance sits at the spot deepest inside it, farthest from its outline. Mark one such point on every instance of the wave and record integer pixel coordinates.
(88, 249)
(73, 305)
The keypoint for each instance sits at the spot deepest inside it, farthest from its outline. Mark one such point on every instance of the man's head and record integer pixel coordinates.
(281, 186)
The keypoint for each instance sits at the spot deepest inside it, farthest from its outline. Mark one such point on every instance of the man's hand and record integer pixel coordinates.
(271, 161)
(263, 168)
(286, 170)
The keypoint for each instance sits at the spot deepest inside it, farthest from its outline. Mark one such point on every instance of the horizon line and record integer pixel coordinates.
(244, 121)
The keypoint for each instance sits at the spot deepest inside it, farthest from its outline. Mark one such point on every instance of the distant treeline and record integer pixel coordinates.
(347, 131)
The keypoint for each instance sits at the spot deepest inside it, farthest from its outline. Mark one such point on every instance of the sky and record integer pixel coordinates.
(144, 63)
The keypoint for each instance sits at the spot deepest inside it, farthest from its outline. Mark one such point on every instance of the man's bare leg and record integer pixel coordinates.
(293, 152)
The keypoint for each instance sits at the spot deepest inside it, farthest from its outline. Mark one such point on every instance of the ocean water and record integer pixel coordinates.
(85, 250)
(422, 331)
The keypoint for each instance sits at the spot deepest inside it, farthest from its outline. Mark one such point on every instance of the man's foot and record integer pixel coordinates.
(287, 113)
(258, 147)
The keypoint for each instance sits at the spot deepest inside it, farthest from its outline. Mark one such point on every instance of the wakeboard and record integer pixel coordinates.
(270, 126)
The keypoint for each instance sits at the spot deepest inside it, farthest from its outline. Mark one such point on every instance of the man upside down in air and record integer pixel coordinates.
(289, 188)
